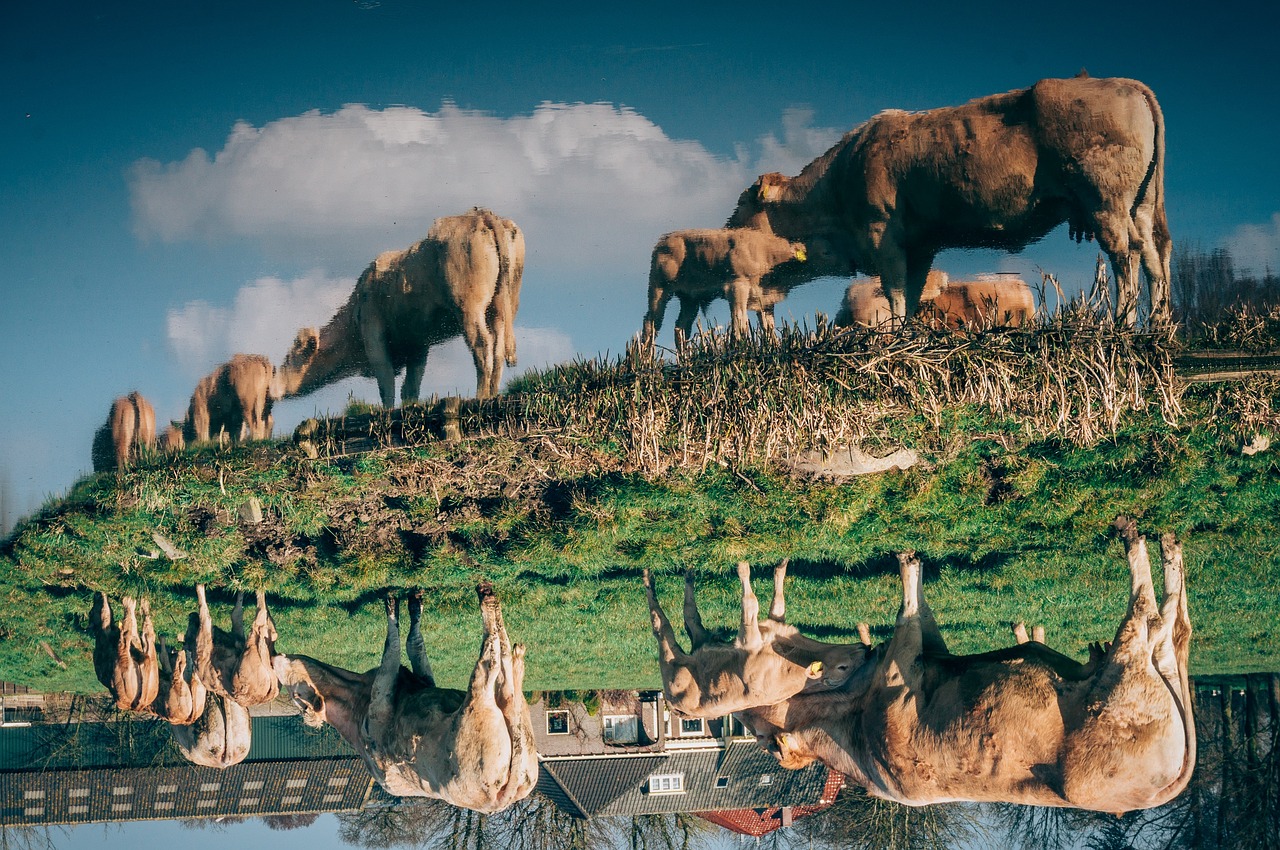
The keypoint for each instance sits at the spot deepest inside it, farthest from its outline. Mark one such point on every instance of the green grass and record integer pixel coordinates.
(1033, 448)
(1006, 534)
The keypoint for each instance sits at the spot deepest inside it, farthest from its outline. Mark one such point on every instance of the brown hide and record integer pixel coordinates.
(124, 656)
(1021, 725)
(129, 432)
(698, 266)
(473, 748)
(983, 303)
(182, 695)
(171, 439)
(220, 737)
(235, 398)
(997, 172)
(769, 661)
(231, 664)
(463, 278)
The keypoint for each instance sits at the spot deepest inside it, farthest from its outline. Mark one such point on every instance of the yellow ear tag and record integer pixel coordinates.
(815, 669)
(801, 255)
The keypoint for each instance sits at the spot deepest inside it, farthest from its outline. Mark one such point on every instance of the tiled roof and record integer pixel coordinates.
(758, 822)
(619, 786)
(144, 793)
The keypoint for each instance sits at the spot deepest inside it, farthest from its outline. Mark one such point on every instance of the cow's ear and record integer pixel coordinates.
(769, 186)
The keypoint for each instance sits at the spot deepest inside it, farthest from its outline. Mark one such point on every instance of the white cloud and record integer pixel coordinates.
(1256, 247)
(263, 319)
(592, 185)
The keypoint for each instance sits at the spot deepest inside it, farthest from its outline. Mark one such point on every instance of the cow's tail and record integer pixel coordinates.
(1152, 188)
(500, 310)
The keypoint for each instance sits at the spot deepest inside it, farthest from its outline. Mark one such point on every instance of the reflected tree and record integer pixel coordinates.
(858, 820)
(680, 831)
(31, 838)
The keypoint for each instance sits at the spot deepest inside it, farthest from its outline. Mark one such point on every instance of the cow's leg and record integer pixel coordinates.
(767, 323)
(1174, 623)
(659, 297)
(917, 275)
(381, 696)
(485, 678)
(749, 636)
(379, 357)
(100, 614)
(1020, 633)
(739, 296)
(415, 368)
(930, 635)
(264, 629)
(684, 319)
(203, 639)
(903, 652)
(692, 617)
(1113, 229)
(480, 341)
(147, 636)
(669, 651)
(415, 646)
(1156, 246)
(778, 605)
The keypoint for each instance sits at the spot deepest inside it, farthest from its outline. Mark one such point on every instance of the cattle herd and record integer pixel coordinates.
(906, 719)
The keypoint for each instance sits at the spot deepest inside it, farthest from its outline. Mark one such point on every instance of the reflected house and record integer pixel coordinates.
(624, 753)
(78, 767)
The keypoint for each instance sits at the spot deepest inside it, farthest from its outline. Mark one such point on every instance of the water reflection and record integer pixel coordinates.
(80, 761)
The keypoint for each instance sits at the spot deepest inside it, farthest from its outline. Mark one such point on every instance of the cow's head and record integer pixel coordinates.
(286, 380)
(751, 209)
(296, 679)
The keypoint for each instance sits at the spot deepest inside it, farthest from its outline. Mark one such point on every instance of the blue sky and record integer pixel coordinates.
(183, 180)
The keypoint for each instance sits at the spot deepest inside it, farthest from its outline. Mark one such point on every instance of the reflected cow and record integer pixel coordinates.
(1020, 725)
(235, 398)
(768, 662)
(130, 431)
(231, 664)
(473, 748)
(124, 655)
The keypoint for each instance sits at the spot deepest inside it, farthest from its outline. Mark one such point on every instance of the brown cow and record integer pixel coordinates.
(220, 737)
(171, 439)
(129, 432)
(464, 278)
(769, 661)
(989, 301)
(470, 748)
(182, 695)
(229, 664)
(699, 266)
(235, 398)
(1021, 725)
(124, 658)
(998, 172)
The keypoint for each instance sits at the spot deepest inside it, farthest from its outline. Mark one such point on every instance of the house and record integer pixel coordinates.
(620, 755)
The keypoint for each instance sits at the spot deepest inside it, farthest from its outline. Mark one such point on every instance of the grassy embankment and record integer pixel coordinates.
(1034, 442)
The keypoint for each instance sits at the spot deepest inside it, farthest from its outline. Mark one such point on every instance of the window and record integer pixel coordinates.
(766, 779)
(621, 729)
(666, 783)
(692, 726)
(722, 782)
(557, 722)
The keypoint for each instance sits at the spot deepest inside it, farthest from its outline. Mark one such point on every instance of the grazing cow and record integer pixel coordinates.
(182, 695)
(171, 439)
(220, 737)
(235, 398)
(1026, 725)
(130, 431)
(124, 658)
(769, 661)
(229, 664)
(470, 748)
(865, 303)
(699, 266)
(464, 278)
(989, 301)
(998, 172)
